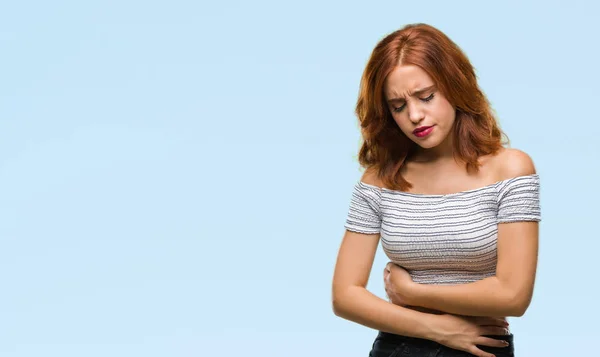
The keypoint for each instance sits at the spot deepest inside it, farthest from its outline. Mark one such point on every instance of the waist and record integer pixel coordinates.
(412, 346)
(390, 337)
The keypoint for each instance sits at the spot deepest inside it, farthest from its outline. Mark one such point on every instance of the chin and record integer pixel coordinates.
(428, 144)
(432, 141)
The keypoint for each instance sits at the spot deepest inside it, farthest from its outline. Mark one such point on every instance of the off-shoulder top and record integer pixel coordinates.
(443, 238)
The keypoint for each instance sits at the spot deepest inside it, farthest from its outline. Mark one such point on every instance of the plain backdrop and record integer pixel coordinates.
(175, 175)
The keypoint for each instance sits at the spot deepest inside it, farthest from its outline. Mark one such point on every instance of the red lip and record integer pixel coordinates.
(421, 128)
(423, 131)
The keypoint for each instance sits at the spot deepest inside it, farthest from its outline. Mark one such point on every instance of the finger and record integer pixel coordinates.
(493, 330)
(491, 342)
(387, 275)
(479, 353)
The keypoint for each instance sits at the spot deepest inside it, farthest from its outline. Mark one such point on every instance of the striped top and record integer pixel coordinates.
(443, 238)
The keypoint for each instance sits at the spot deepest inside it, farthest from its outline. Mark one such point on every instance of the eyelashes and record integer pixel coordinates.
(429, 98)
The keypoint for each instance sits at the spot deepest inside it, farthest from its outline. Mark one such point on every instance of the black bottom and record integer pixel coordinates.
(390, 345)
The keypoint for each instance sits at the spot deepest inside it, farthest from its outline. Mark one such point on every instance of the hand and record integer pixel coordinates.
(465, 332)
(398, 284)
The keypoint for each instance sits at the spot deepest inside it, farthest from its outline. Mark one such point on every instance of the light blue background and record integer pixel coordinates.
(174, 176)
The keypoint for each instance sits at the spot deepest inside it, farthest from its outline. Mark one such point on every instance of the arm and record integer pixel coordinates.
(352, 301)
(506, 294)
(509, 292)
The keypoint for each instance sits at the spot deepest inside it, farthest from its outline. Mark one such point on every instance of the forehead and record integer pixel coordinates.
(405, 79)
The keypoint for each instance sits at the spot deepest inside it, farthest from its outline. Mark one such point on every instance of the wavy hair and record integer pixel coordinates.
(385, 147)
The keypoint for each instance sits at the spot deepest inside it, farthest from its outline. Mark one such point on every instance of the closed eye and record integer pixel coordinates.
(428, 98)
(401, 108)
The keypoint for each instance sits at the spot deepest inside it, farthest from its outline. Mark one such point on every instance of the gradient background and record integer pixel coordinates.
(174, 176)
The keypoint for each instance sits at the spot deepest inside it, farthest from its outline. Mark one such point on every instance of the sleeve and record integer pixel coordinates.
(519, 199)
(364, 214)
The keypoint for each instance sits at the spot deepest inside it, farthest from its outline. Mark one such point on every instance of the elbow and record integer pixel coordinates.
(337, 303)
(518, 309)
(518, 304)
(337, 309)
(515, 297)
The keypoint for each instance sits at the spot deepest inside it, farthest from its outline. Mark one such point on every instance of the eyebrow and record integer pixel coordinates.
(417, 92)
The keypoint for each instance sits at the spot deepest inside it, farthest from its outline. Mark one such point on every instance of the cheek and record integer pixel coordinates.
(444, 114)
(447, 110)
(402, 123)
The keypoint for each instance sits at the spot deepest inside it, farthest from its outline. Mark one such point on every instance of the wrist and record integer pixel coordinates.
(434, 332)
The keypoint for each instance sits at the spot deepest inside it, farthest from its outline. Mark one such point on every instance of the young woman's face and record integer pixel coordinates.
(423, 114)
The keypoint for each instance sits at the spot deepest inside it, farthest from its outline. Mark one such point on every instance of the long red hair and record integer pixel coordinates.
(385, 147)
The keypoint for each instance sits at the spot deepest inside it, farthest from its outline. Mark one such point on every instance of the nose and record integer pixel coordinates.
(415, 113)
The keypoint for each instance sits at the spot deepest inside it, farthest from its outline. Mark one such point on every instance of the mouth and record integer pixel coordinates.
(423, 131)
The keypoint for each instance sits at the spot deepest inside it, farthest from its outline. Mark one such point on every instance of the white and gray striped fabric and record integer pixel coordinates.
(443, 239)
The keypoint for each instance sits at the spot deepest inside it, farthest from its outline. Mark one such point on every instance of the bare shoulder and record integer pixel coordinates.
(511, 162)
(371, 177)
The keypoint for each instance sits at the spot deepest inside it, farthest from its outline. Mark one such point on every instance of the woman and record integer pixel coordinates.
(456, 212)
